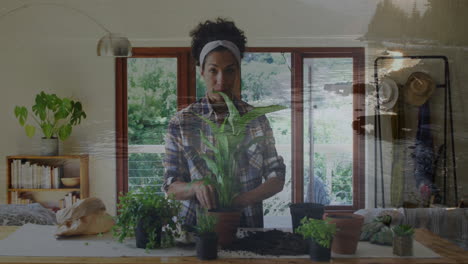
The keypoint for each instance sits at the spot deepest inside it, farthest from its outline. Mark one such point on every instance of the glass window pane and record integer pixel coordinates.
(152, 101)
(328, 113)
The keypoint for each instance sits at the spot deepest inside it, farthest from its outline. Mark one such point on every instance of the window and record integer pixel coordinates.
(326, 96)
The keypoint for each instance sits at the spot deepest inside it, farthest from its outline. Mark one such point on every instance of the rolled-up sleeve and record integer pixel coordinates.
(175, 164)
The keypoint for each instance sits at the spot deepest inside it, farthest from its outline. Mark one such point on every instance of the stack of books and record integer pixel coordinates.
(27, 175)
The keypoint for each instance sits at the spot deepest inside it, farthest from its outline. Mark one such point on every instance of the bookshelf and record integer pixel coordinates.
(70, 166)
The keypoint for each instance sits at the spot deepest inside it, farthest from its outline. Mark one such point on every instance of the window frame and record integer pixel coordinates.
(186, 94)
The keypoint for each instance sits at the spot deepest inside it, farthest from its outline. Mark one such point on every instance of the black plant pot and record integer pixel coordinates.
(207, 246)
(142, 235)
(300, 210)
(317, 252)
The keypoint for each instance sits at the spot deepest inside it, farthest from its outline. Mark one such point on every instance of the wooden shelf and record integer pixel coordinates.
(67, 161)
(63, 157)
(45, 190)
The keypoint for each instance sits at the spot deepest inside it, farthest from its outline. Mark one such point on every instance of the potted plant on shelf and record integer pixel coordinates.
(55, 117)
(403, 240)
(320, 235)
(206, 237)
(144, 213)
(349, 227)
(228, 144)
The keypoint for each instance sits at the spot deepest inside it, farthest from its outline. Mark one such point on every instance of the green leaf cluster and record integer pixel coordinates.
(384, 219)
(206, 223)
(145, 204)
(228, 145)
(55, 116)
(321, 231)
(403, 230)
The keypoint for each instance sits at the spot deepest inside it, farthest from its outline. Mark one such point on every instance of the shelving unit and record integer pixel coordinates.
(74, 165)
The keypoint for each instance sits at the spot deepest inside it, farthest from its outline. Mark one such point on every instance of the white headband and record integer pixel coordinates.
(214, 44)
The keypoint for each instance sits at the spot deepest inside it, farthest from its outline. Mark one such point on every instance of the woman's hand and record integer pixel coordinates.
(205, 194)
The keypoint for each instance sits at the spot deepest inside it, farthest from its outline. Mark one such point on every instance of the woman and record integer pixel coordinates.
(218, 47)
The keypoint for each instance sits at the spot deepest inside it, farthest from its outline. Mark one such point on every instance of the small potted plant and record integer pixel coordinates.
(228, 145)
(54, 116)
(320, 235)
(206, 238)
(144, 213)
(403, 240)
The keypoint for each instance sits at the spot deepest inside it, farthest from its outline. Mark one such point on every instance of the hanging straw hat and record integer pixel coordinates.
(388, 93)
(418, 88)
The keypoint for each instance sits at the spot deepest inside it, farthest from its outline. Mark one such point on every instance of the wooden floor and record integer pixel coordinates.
(450, 254)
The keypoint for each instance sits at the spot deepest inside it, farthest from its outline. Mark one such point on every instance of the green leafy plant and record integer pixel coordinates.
(403, 230)
(55, 116)
(384, 219)
(321, 231)
(206, 223)
(229, 144)
(145, 204)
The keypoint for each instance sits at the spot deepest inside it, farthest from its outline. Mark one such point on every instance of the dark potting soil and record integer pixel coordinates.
(272, 242)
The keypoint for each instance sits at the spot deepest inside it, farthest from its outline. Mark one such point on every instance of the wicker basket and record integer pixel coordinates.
(403, 245)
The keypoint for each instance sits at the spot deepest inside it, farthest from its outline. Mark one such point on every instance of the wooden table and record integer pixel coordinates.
(450, 254)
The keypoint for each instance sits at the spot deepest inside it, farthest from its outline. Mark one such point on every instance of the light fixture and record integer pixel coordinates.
(111, 44)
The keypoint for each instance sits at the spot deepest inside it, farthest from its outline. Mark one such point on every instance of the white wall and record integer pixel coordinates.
(52, 48)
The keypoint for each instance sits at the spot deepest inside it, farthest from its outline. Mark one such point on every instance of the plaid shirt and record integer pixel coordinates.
(183, 163)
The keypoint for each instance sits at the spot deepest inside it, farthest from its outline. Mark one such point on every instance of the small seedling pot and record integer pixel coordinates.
(318, 252)
(142, 235)
(207, 246)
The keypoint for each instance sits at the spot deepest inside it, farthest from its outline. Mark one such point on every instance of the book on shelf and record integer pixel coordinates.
(16, 199)
(69, 200)
(28, 175)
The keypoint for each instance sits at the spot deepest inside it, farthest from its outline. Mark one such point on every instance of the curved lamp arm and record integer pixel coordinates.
(109, 45)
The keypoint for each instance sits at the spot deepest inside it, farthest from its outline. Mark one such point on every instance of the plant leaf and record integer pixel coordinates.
(77, 113)
(30, 130)
(210, 164)
(22, 114)
(64, 131)
(233, 113)
(48, 130)
(207, 142)
(63, 110)
(257, 112)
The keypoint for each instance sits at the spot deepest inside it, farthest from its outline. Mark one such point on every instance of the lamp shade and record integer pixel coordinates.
(114, 45)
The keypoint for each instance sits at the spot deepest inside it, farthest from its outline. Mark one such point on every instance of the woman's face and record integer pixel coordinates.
(221, 74)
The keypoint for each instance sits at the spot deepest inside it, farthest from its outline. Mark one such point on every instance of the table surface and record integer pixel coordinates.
(450, 253)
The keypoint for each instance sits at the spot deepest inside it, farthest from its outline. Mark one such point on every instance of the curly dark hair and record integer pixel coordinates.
(219, 29)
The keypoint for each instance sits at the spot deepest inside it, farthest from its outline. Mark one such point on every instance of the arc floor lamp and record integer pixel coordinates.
(110, 44)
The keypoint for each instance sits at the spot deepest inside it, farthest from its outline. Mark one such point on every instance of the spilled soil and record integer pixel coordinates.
(272, 242)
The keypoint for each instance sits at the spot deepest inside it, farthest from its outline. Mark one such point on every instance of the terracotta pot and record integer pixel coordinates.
(348, 231)
(207, 246)
(301, 210)
(226, 228)
(317, 252)
(403, 245)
